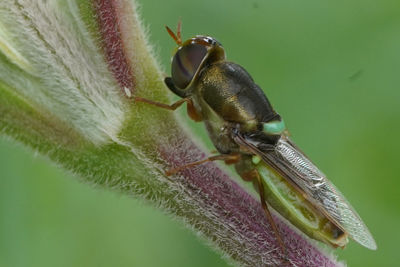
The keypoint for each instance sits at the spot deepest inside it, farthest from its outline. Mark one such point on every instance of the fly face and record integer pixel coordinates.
(188, 60)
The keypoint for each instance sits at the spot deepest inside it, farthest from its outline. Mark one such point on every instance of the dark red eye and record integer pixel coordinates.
(186, 63)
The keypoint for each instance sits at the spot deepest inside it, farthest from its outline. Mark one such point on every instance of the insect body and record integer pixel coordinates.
(250, 134)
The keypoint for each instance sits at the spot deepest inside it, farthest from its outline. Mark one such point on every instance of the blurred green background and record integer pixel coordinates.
(330, 68)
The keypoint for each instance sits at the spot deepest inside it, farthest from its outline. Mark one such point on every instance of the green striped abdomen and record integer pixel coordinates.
(296, 209)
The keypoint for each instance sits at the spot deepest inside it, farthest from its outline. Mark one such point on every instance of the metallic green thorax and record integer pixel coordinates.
(228, 98)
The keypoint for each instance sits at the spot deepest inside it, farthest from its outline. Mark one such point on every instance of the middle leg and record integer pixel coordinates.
(228, 158)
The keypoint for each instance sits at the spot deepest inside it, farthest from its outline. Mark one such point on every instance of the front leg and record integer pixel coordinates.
(191, 110)
(172, 107)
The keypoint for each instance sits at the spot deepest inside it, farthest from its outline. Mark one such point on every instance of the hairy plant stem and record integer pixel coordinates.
(68, 71)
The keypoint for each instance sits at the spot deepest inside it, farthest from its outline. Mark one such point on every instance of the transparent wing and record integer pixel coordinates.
(297, 169)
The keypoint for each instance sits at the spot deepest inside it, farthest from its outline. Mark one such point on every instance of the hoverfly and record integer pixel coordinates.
(249, 133)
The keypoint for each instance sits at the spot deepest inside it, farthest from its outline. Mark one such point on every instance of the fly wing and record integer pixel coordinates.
(297, 169)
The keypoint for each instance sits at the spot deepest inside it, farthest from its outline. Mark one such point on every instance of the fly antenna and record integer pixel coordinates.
(177, 37)
(178, 31)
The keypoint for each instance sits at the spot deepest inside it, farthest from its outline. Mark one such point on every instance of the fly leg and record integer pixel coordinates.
(269, 216)
(193, 114)
(228, 158)
(172, 107)
(246, 170)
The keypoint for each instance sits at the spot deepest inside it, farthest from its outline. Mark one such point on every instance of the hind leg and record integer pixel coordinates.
(246, 169)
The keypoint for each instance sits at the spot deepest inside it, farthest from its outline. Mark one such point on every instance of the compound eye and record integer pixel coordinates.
(186, 63)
